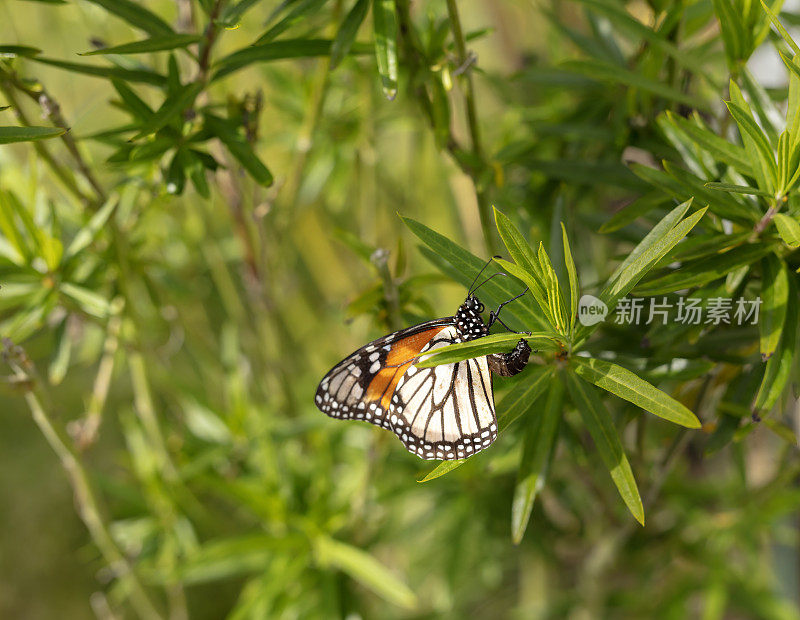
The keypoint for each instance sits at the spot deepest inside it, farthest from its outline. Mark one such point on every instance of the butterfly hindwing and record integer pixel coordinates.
(445, 412)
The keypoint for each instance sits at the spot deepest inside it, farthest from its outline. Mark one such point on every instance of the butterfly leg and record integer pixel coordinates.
(495, 315)
(511, 363)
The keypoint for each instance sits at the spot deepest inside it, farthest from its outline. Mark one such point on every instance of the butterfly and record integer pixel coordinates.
(445, 412)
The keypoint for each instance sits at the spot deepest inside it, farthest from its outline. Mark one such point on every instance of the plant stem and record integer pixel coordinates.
(209, 37)
(52, 110)
(86, 501)
(62, 173)
(484, 208)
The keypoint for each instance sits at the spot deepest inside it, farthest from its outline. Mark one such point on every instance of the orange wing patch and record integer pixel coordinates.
(400, 358)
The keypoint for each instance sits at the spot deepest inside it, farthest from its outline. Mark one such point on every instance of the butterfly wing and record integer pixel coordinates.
(445, 412)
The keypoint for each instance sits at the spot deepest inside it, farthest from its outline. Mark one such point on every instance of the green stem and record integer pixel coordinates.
(52, 110)
(63, 174)
(484, 208)
(86, 502)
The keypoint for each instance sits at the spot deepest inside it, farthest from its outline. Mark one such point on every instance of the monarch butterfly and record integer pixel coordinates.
(445, 412)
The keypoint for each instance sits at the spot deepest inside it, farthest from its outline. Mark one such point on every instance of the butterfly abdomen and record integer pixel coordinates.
(511, 363)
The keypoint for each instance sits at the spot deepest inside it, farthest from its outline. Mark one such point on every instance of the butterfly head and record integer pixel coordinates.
(469, 322)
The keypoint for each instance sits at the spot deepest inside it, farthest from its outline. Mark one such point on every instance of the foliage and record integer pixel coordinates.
(181, 263)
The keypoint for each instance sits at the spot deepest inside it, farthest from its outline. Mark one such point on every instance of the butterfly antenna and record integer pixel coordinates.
(494, 275)
(488, 262)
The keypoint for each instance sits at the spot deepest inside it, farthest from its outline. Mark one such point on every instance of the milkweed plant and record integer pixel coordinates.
(204, 204)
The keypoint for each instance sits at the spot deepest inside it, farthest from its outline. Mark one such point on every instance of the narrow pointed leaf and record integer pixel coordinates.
(779, 366)
(463, 266)
(651, 250)
(629, 386)
(347, 32)
(537, 449)
(144, 76)
(572, 274)
(174, 105)
(365, 569)
(239, 147)
(28, 134)
(279, 50)
(607, 441)
(495, 343)
(789, 229)
(155, 44)
(774, 300)
(136, 15)
(702, 271)
(385, 25)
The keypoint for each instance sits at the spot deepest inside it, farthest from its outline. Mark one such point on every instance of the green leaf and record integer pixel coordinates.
(154, 44)
(629, 386)
(301, 10)
(365, 569)
(521, 398)
(585, 172)
(788, 228)
(175, 178)
(774, 299)
(683, 185)
(136, 15)
(226, 558)
(733, 31)
(495, 343)
(738, 189)
(598, 422)
(11, 231)
(527, 262)
(279, 50)
(28, 134)
(385, 25)
(537, 450)
(719, 148)
(88, 301)
(59, 364)
(792, 115)
(554, 298)
(135, 104)
(463, 266)
(755, 141)
(779, 366)
(172, 106)
(347, 32)
(12, 51)
(664, 236)
(12, 209)
(239, 147)
(145, 76)
(779, 27)
(441, 469)
(624, 21)
(633, 211)
(573, 279)
(204, 424)
(536, 289)
(702, 271)
(607, 72)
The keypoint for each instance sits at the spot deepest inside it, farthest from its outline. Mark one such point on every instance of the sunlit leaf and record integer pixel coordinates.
(385, 25)
(28, 134)
(629, 386)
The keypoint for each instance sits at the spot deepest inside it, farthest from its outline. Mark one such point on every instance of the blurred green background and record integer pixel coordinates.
(175, 354)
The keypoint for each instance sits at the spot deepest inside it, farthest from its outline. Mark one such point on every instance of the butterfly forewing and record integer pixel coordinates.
(445, 412)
